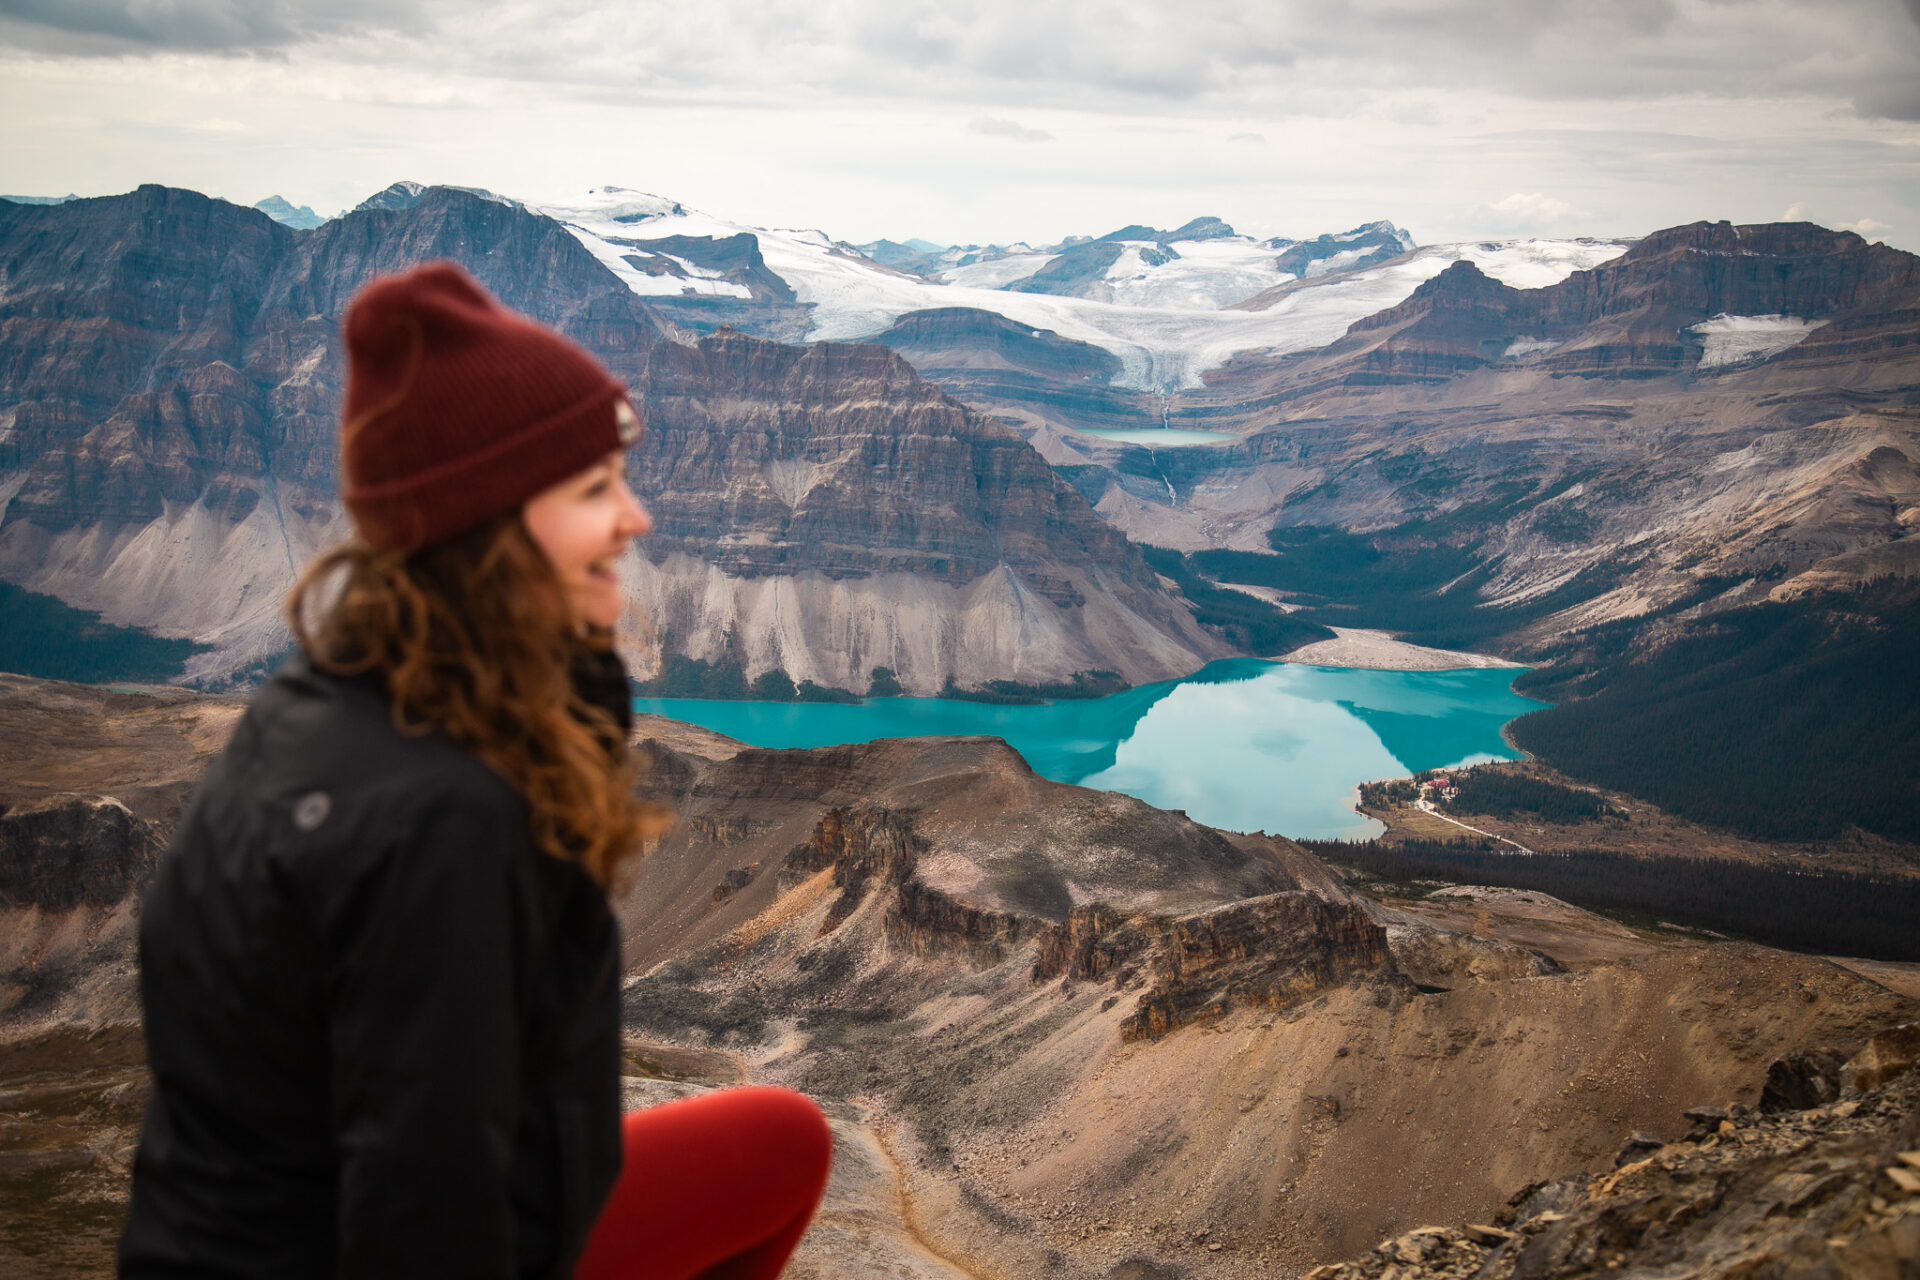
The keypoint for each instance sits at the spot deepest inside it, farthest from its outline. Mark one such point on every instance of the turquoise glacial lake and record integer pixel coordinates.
(1243, 745)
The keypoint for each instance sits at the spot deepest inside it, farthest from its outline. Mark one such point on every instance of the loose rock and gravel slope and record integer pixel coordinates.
(1827, 1192)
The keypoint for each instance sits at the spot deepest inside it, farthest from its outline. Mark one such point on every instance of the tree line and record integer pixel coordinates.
(1789, 720)
(1247, 621)
(41, 636)
(1501, 793)
(1829, 914)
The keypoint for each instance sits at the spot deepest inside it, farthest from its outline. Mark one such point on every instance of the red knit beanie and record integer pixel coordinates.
(459, 410)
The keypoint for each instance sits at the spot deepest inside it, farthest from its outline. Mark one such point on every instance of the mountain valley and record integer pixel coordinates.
(1680, 476)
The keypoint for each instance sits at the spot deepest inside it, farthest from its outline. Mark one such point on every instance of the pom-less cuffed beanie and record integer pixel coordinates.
(459, 410)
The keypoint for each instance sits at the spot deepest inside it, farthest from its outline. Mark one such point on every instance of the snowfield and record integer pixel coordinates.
(1167, 324)
(1733, 340)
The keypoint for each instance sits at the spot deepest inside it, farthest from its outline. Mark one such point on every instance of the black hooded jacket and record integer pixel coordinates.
(383, 1026)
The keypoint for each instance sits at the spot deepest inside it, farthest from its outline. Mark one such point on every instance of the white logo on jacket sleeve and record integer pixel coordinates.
(311, 809)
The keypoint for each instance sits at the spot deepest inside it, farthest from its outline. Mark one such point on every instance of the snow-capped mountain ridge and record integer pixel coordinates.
(1169, 308)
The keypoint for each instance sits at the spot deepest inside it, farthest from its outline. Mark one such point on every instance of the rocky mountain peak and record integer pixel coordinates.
(401, 195)
(173, 365)
(837, 466)
(1772, 239)
(1201, 228)
(1462, 287)
(942, 340)
(1204, 228)
(1644, 309)
(285, 212)
(1715, 268)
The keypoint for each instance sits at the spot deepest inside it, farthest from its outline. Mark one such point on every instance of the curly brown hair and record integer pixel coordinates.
(474, 638)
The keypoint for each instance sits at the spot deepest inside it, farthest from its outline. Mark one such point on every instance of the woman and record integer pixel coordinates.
(378, 965)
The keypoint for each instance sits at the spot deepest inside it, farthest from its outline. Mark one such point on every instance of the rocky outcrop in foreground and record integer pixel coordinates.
(955, 955)
(92, 783)
(1832, 1191)
(1266, 952)
(61, 853)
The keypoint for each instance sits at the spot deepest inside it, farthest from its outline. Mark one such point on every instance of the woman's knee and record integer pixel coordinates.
(787, 1122)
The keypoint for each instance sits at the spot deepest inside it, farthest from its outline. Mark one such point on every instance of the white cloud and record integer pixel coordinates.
(1869, 228)
(994, 127)
(1255, 138)
(1795, 212)
(1532, 206)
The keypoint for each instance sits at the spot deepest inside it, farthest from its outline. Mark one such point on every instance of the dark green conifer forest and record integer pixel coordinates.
(40, 636)
(1844, 914)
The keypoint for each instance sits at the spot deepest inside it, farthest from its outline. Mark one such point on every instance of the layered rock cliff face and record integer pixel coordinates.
(825, 511)
(170, 378)
(169, 385)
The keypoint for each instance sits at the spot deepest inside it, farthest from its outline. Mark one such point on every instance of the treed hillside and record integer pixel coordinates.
(1411, 579)
(40, 636)
(1853, 915)
(1783, 721)
(1501, 794)
(1250, 623)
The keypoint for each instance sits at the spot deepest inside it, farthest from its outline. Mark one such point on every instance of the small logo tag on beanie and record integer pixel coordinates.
(626, 422)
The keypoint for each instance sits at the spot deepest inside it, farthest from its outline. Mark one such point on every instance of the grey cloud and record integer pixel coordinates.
(1891, 100)
(1248, 56)
(118, 26)
(1273, 54)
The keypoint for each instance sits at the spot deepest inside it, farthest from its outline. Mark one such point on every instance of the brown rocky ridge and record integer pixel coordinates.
(1100, 1040)
(1061, 1032)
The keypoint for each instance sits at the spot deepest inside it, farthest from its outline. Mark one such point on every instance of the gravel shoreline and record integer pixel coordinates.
(1379, 651)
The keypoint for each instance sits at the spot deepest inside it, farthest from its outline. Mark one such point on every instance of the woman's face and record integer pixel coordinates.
(584, 525)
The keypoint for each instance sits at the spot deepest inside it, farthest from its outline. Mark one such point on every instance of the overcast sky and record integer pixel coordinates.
(1000, 120)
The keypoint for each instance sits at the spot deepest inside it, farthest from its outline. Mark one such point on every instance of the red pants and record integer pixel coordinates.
(719, 1187)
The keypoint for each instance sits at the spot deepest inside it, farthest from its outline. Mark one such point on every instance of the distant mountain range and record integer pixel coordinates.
(171, 378)
(1580, 453)
(1167, 305)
